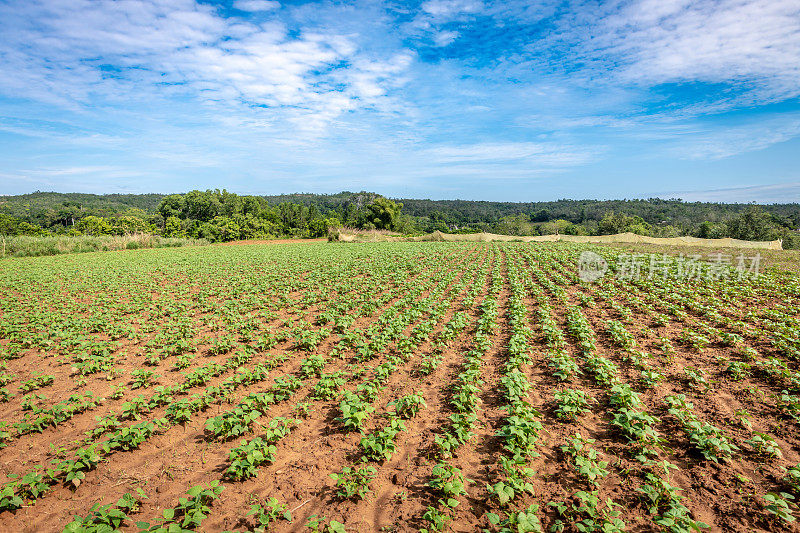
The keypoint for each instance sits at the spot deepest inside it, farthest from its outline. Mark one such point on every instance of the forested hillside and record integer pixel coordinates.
(221, 215)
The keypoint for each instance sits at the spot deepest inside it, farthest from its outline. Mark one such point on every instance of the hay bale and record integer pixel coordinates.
(438, 236)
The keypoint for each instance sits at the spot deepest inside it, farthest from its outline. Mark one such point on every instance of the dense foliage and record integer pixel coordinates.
(213, 215)
(223, 216)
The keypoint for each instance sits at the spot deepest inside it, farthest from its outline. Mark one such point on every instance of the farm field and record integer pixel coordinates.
(396, 387)
(786, 260)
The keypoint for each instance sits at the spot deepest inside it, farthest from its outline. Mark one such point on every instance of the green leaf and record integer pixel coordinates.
(336, 527)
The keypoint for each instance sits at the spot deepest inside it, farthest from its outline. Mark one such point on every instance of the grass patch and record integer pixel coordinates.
(28, 246)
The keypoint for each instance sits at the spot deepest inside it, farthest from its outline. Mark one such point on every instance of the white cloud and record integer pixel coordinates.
(722, 142)
(535, 154)
(430, 23)
(754, 44)
(80, 178)
(329, 90)
(82, 52)
(445, 38)
(449, 8)
(74, 171)
(256, 5)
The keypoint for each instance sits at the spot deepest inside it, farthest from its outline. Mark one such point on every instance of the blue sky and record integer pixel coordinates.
(472, 99)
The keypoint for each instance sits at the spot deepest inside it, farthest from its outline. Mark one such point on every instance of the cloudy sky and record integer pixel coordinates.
(510, 100)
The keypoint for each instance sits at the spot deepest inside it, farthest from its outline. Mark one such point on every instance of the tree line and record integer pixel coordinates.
(215, 215)
(219, 215)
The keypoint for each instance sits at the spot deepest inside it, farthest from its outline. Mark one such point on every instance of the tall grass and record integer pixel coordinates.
(25, 245)
(346, 234)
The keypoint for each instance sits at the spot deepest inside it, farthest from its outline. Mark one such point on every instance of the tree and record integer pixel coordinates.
(709, 230)
(251, 227)
(172, 206)
(383, 213)
(318, 227)
(753, 225)
(172, 227)
(201, 205)
(251, 206)
(126, 225)
(559, 227)
(620, 223)
(93, 225)
(13, 226)
(516, 225)
(227, 229)
(68, 212)
(542, 215)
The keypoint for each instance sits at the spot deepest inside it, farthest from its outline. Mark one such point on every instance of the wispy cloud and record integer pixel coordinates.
(533, 154)
(753, 44)
(100, 52)
(734, 140)
(445, 9)
(256, 5)
(441, 95)
(765, 194)
(81, 179)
